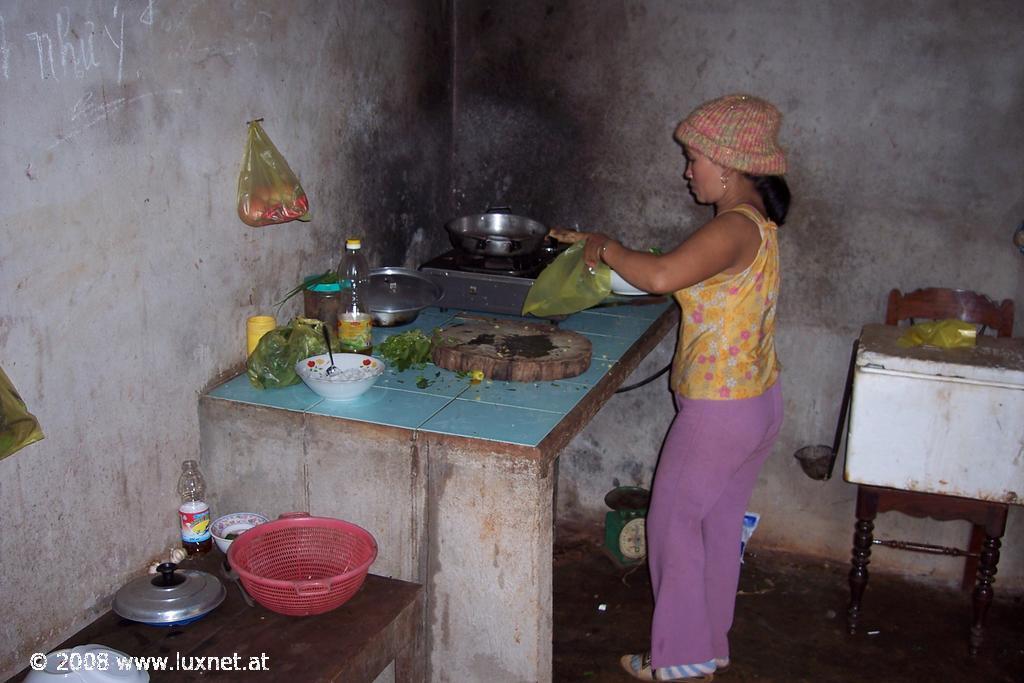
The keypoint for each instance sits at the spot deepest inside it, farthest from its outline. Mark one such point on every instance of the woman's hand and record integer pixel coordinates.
(593, 250)
(566, 236)
(594, 243)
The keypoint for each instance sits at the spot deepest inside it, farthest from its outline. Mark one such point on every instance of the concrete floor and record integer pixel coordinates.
(790, 622)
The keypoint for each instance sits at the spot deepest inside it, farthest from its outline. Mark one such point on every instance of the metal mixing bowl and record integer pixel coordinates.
(397, 295)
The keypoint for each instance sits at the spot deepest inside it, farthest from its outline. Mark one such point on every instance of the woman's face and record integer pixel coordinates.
(703, 176)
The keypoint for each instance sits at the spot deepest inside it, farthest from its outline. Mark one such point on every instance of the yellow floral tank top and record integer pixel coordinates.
(726, 344)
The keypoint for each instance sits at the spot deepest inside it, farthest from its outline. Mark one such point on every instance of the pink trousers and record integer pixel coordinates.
(705, 476)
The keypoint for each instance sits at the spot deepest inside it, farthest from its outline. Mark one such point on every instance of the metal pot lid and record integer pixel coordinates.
(171, 596)
(397, 290)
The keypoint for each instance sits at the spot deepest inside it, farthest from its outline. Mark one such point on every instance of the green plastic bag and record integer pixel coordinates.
(272, 363)
(18, 427)
(567, 285)
(945, 334)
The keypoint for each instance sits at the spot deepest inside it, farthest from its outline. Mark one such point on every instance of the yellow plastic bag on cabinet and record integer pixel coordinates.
(945, 334)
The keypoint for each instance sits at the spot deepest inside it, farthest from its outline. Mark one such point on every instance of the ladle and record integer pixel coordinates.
(818, 462)
(333, 370)
(231, 575)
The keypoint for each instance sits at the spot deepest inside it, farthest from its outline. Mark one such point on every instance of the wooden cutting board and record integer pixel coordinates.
(511, 350)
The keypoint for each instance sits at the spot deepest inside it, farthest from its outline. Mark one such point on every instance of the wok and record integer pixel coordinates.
(496, 233)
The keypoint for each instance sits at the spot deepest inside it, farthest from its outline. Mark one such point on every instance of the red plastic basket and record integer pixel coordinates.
(301, 565)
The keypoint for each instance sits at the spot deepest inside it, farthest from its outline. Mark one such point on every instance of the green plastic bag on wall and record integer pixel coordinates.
(18, 427)
(567, 285)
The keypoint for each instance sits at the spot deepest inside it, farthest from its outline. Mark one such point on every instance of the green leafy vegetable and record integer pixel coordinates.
(406, 350)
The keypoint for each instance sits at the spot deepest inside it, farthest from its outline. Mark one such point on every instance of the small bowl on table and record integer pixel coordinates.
(356, 374)
(227, 528)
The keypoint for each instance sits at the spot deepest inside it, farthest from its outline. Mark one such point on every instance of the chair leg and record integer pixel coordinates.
(971, 563)
(859, 571)
(983, 591)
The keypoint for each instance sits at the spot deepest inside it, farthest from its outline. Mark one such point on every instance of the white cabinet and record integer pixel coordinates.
(947, 421)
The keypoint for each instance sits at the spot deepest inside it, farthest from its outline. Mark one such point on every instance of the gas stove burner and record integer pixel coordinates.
(515, 266)
(490, 284)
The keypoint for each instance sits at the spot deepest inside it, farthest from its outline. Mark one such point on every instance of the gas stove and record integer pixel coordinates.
(485, 283)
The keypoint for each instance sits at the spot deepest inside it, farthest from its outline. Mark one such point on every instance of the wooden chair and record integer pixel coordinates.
(988, 519)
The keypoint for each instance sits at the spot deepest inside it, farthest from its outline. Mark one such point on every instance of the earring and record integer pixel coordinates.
(725, 181)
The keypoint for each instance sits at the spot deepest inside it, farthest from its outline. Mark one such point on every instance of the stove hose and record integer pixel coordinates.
(650, 379)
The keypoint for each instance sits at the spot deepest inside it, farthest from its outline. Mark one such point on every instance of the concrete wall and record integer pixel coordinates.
(902, 122)
(126, 275)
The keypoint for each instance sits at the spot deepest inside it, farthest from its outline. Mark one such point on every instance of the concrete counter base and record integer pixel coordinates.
(469, 518)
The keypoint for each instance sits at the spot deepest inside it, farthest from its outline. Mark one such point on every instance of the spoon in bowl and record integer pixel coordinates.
(333, 370)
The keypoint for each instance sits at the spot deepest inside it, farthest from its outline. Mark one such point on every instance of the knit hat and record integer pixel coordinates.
(736, 131)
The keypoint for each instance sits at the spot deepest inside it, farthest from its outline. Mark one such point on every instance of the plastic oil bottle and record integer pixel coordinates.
(354, 322)
(194, 512)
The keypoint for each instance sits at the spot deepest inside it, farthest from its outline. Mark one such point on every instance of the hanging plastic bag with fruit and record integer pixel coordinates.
(268, 190)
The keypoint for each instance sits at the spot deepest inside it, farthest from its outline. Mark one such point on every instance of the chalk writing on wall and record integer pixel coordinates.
(68, 48)
(5, 51)
(86, 113)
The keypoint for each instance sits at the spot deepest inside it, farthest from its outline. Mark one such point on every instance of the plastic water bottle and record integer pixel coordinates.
(194, 511)
(354, 322)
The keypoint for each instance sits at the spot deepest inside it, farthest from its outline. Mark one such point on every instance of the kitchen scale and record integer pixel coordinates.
(625, 525)
(488, 283)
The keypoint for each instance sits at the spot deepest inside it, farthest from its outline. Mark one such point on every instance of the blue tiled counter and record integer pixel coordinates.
(455, 480)
(522, 413)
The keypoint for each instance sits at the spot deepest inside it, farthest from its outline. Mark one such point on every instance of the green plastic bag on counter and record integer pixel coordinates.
(18, 427)
(272, 363)
(567, 285)
(945, 334)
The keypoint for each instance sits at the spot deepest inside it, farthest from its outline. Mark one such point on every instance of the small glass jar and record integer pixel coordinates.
(322, 302)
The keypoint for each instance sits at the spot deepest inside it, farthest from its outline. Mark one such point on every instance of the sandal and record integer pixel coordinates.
(639, 666)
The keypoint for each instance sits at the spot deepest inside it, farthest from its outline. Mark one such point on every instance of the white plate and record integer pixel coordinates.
(87, 664)
(623, 288)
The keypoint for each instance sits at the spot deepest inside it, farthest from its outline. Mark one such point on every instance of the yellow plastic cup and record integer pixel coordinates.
(255, 327)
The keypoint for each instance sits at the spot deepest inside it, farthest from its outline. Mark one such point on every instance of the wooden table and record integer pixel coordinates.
(382, 623)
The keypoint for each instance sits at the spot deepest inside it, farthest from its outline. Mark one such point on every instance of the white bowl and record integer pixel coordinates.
(87, 664)
(234, 524)
(623, 288)
(356, 374)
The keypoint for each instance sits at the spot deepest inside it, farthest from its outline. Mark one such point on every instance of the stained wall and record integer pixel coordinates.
(127, 276)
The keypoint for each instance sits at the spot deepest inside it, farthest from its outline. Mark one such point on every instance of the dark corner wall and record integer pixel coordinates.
(402, 163)
(902, 125)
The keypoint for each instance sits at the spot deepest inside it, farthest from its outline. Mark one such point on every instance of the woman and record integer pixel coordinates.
(725, 277)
